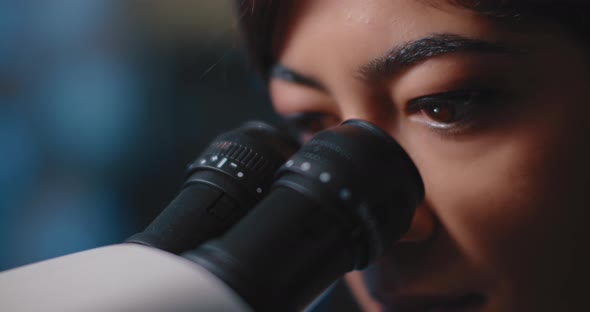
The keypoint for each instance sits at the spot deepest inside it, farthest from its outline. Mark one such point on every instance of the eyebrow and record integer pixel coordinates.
(410, 53)
(282, 72)
(401, 57)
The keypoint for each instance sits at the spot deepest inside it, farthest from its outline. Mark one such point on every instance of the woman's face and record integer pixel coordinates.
(496, 118)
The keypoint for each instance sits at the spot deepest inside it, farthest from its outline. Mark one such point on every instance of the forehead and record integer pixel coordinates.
(357, 30)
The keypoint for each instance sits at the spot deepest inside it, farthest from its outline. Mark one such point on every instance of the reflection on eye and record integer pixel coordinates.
(441, 113)
(455, 108)
(306, 124)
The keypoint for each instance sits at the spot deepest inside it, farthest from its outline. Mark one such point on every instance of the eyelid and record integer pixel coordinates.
(483, 93)
(479, 101)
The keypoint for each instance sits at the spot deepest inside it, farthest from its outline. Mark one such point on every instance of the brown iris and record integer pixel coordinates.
(440, 113)
(453, 107)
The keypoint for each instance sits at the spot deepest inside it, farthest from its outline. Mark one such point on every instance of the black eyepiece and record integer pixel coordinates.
(222, 185)
(359, 168)
(335, 206)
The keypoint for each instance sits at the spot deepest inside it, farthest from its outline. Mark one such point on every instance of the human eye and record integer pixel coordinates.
(307, 124)
(454, 112)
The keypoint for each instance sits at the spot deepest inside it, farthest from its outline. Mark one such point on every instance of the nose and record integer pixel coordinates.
(422, 228)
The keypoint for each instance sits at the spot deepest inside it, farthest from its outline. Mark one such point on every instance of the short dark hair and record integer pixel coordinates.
(259, 20)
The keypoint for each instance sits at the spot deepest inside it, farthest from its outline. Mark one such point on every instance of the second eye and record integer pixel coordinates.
(452, 107)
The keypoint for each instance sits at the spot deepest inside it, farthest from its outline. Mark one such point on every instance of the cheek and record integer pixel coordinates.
(484, 202)
(513, 201)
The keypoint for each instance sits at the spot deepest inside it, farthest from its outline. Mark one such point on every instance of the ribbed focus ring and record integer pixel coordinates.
(239, 153)
(250, 155)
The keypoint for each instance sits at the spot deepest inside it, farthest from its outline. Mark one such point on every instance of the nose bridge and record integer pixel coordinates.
(370, 107)
(351, 111)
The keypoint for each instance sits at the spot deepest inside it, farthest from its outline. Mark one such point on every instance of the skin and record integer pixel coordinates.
(505, 209)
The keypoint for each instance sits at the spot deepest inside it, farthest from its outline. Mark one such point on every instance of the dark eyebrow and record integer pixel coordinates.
(280, 71)
(412, 52)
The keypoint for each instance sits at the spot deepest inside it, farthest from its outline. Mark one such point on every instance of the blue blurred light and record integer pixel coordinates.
(10, 16)
(19, 159)
(62, 22)
(91, 112)
(67, 216)
(78, 113)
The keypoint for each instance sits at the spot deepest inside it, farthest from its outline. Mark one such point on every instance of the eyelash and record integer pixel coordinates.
(469, 107)
(475, 102)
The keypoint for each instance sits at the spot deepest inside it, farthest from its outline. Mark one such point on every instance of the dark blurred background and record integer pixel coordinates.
(102, 105)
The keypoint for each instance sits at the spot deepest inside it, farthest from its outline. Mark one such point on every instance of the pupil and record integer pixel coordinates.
(441, 114)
